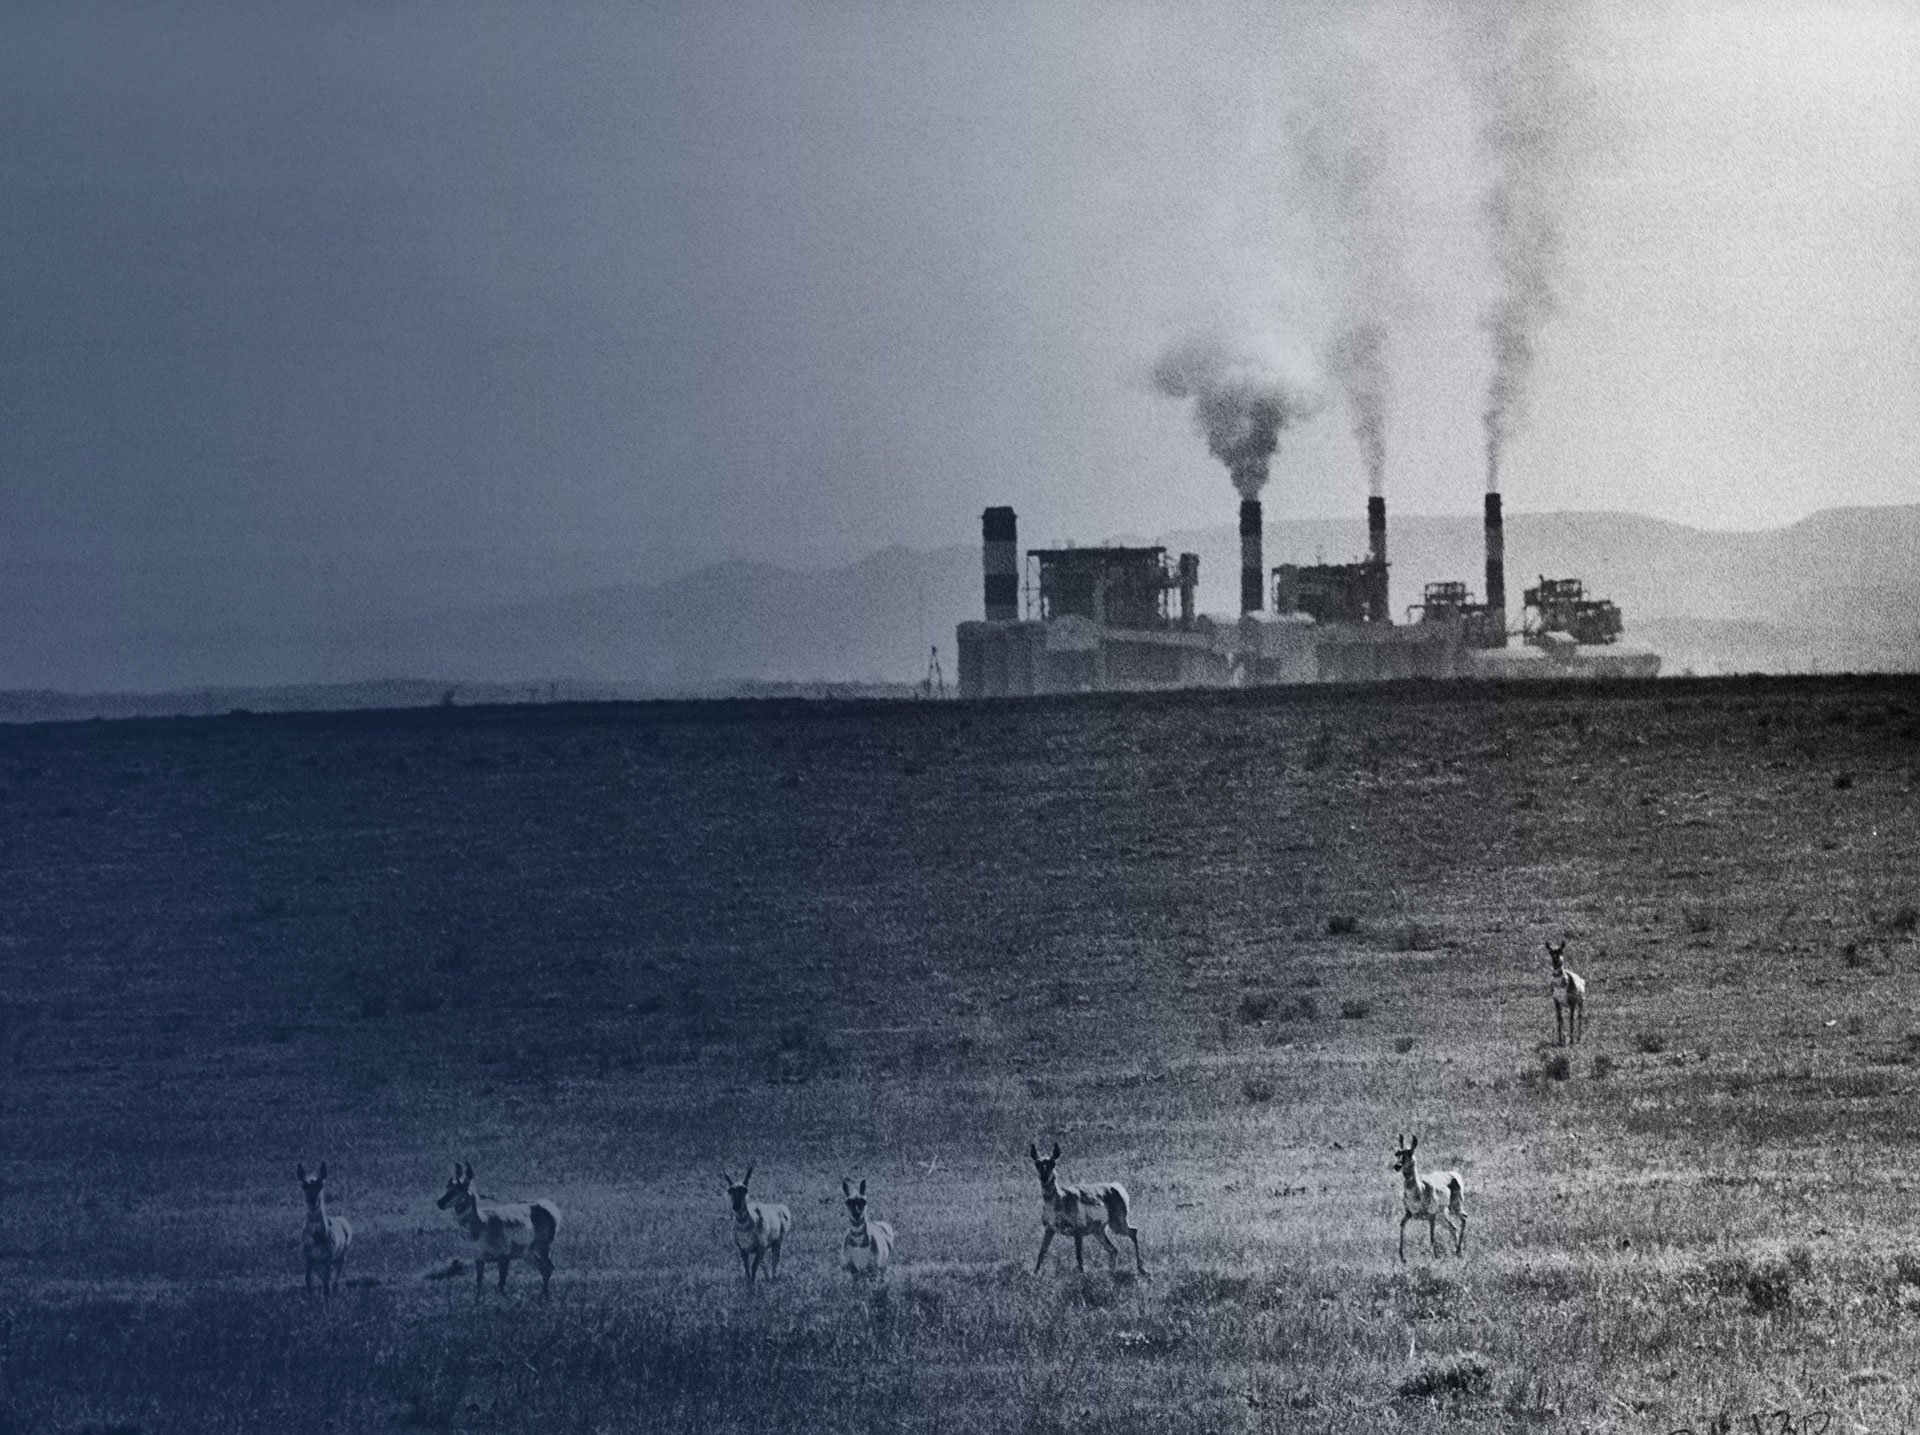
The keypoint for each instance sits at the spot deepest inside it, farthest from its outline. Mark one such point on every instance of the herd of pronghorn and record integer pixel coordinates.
(506, 1232)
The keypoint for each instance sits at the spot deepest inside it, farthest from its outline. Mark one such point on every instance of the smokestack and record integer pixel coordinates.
(1496, 569)
(1000, 557)
(1252, 578)
(1377, 549)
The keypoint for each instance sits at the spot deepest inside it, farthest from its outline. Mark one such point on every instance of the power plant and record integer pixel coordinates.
(1098, 619)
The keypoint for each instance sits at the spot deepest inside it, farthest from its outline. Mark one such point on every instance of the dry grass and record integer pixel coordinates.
(617, 954)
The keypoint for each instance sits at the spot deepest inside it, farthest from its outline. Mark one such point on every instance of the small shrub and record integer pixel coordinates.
(1256, 1007)
(1413, 938)
(1697, 919)
(1856, 1026)
(265, 909)
(1559, 1066)
(1300, 1007)
(1769, 1287)
(801, 1054)
(1341, 924)
(1403, 1044)
(454, 960)
(1842, 781)
(1468, 1373)
(1355, 1008)
(373, 1005)
(652, 1004)
(1853, 957)
(1652, 1043)
(419, 998)
(1257, 1089)
(1905, 919)
(1767, 1284)
(1602, 1067)
(1906, 1270)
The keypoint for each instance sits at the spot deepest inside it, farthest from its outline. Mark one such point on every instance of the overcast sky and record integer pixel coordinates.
(763, 280)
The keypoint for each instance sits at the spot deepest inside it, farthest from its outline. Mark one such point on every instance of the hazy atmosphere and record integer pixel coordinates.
(333, 314)
(1078, 718)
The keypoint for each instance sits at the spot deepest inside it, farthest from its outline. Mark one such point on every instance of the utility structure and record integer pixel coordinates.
(1559, 611)
(1093, 619)
(934, 685)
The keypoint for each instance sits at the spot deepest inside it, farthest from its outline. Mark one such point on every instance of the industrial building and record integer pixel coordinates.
(1097, 619)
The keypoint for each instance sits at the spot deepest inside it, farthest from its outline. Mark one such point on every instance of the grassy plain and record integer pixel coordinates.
(1221, 947)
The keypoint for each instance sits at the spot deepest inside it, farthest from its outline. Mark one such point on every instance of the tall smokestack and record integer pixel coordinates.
(1377, 549)
(1497, 569)
(1000, 557)
(1252, 579)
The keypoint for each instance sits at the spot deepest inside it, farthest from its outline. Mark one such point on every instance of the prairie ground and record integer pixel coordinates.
(1221, 947)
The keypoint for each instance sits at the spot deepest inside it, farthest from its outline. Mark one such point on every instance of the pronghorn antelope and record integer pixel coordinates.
(868, 1245)
(1429, 1199)
(1081, 1211)
(502, 1231)
(325, 1240)
(1569, 998)
(758, 1228)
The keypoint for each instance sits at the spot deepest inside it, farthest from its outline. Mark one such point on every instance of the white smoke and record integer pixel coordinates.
(1245, 391)
(1533, 98)
(1344, 149)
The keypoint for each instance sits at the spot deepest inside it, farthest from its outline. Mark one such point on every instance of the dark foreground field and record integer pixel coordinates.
(1221, 949)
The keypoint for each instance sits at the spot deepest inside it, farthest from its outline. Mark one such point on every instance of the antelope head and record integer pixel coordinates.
(1044, 1164)
(737, 1191)
(856, 1200)
(311, 1185)
(1403, 1155)
(1555, 951)
(458, 1186)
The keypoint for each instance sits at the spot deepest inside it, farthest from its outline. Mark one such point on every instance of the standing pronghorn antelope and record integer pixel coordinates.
(1429, 1199)
(758, 1228)
(1569, 998)
(325, 1240)
(502, 1231)
(1081, 1211)
(868, 1245)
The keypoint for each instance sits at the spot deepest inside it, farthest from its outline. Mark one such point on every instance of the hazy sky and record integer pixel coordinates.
(754, 279)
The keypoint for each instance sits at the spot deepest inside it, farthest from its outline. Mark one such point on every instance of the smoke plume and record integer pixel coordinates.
(1343, 146)
(1243, 393)
(1532, 99)
(1359, 362)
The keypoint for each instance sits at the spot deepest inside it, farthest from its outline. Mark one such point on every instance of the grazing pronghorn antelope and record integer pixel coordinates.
(868, 1245)
(325, 1240)
(502, 1231)
(1081, 1211)
(1569, 998)
(758, 1228)
(1429, 1199)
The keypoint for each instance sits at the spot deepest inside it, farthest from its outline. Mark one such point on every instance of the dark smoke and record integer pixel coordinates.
(1533, 100)
(1242, 399)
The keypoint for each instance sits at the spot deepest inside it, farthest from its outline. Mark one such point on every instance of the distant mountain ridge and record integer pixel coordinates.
(1839, 589)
